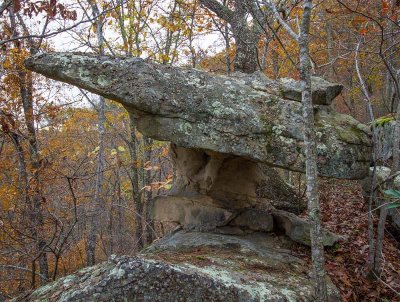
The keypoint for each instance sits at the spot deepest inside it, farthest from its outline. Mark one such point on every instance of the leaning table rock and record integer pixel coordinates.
(195, 109)
(225, 133)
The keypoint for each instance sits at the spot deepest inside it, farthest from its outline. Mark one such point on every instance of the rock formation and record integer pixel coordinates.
(233, 234)
(228, 115)
(193, 267)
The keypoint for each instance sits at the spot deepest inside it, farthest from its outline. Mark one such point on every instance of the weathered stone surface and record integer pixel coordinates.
(384, 144)
(282, 195)
(298, 229)
(198, 110)
(196, 212)
(382, 173)
(210, 189)
(230, 230)
(193, 267)
(254, 219)
(200, 213)
(230, 182)
(323, 92)
(226, 133)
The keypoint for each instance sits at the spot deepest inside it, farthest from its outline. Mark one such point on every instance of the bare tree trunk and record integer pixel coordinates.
(134, 177)
(227, 50)
(22, 172)
(120, 229)
(190, 37)
(147, 196)
(264, 54)
(34, 186)
(275, 64)
(372, 197)
(98, 204)
(246, 38)
(317, 248)
(134, 171)
(384, 210)
(225, 34)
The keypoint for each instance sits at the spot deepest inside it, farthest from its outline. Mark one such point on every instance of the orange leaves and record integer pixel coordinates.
(166, 185)
(363, 31)
(385, 6)
(358, 21)
(7, 196)
(15, 58)
(51, 8)
(362, 24)
(149, 167)
(344, 211)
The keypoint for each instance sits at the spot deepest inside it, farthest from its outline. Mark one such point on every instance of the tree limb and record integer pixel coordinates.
(282, 22)
(5, 5)
(220, 10)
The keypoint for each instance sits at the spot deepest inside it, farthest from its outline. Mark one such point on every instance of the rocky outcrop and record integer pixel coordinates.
(190, 266)
(231, 206)
(197, 214)
(254, 220)
(384, 127)
(195, 109)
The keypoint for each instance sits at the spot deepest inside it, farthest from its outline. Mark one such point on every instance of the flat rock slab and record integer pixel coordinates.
(323, 92)
(193, 267)
(195, 109)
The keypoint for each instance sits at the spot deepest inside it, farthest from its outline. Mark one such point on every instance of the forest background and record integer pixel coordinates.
(75, 175)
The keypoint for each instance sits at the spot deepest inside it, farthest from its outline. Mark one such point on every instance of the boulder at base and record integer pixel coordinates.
(194, 266)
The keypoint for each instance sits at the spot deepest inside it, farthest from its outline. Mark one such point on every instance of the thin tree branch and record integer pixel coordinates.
(282, 22)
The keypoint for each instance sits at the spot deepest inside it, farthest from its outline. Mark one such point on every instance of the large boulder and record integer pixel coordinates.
(191, 266)
(384, 127)
(195, 109)
(323, 92)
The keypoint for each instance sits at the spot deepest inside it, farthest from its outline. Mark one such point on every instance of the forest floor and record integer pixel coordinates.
(345, 213)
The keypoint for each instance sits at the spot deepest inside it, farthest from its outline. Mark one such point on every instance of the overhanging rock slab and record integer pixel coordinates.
(195, 109)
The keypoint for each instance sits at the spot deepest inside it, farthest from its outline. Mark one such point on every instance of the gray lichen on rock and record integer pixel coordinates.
(193, 267)
(231, 115)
